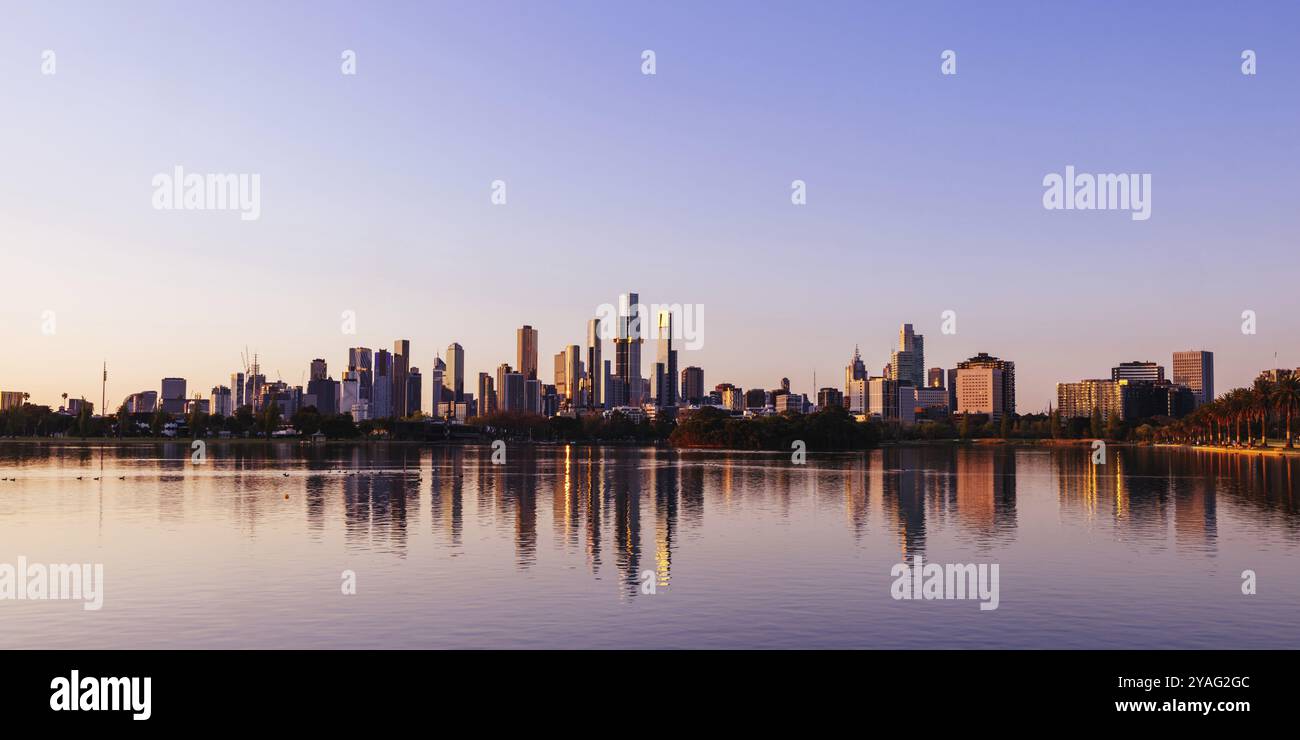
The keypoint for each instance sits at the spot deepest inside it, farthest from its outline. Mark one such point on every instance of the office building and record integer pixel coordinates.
(980, 390)
(414, 392)
(828, 397)
(572, 376)
(526, 351)
(381, 386)
(1148, 372)
(907, 363)
(857, 396)
(693, 384)
(882, 399)
(1007, 394)
(935, 378)
(454, 377)
(1195, 369)
(173, 395)
(401, 377)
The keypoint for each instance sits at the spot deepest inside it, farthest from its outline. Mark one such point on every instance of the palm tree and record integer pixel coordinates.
(1262, 395)
(1286, 397)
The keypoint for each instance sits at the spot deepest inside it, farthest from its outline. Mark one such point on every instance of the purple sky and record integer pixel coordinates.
(924, 190)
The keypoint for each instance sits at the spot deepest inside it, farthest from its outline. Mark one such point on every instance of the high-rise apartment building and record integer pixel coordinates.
(1195, 369)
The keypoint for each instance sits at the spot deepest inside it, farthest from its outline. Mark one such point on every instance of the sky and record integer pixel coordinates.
(924, 190)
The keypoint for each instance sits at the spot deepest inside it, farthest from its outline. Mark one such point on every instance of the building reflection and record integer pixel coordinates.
(636, 507)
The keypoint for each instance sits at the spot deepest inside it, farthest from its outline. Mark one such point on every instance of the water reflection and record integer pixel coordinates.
(632, 509)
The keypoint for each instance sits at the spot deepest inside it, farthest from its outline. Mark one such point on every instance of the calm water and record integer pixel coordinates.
(744, 550)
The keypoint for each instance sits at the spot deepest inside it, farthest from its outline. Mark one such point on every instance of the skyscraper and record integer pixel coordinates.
(381, 388)
(318, 371)
(560, 374)
(437, 381)
(455, 375)
(414, 391)
(1195, 369)
(237, 390)
(487, 396)
(359, 362)
(573, 375)
(401, 372)
(627, 347)
(856, 370)
(907, 363)
(595, 384)
(526, 344)
(666, 379)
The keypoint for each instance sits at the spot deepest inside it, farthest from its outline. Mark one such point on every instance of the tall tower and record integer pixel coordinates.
(666, 379)
(455, 376)
(595, 384)
(526, 341)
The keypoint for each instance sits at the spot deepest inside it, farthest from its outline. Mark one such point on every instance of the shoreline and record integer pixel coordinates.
(93, 442)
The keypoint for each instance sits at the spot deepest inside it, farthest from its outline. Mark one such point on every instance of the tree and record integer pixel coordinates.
(1286, 397)
(159, 420)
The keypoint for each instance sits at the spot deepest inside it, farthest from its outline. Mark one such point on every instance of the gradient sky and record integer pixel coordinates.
(924, 191)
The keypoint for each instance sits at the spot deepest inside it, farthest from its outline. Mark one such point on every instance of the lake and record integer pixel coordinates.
(619, 547)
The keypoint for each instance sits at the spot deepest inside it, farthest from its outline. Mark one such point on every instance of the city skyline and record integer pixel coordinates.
(377, 188)
(577, 355)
